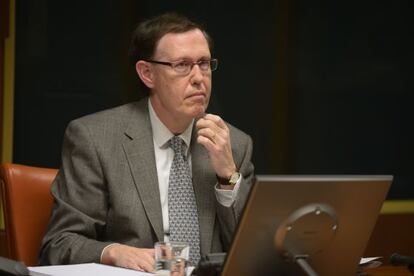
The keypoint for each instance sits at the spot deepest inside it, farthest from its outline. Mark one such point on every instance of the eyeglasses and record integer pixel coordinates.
(184, 67)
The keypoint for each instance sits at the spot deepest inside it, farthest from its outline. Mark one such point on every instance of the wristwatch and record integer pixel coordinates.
(232, 181)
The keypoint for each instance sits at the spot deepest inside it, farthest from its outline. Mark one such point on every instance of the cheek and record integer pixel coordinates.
(171, 87)
(176, 92)
(208, 81)
(208, 88)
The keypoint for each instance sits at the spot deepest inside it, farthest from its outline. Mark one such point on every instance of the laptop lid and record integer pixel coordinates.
(327, 220)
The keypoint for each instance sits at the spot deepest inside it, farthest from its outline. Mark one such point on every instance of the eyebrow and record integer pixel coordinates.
(190, 59)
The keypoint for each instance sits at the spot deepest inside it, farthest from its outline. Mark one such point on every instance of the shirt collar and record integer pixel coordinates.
(162, 134)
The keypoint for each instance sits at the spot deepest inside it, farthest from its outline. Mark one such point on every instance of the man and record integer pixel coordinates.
(133, 175)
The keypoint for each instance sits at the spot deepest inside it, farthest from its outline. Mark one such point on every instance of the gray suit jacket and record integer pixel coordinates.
(107, 188)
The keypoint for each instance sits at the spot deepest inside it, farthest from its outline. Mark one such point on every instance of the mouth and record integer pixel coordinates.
(197, 95)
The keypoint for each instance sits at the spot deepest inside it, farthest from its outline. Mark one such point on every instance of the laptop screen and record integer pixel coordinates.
(324, 220)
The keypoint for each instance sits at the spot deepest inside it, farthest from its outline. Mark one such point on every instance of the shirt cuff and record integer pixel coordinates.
(103, 250)
(227, 197)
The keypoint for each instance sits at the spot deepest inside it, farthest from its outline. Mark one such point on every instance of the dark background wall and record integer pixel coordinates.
(352, 81)
(321, 86)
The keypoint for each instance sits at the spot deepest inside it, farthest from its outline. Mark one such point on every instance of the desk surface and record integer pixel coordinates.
(388, 271)
(99, 269)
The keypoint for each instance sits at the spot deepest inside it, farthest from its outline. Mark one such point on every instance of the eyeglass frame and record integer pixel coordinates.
(174, 64)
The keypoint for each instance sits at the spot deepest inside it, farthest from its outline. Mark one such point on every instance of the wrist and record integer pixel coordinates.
(229, 181)
(226, 173)
(108, 255)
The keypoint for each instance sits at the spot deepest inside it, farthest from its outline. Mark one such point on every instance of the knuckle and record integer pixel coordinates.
(216, 119)
(200, 123)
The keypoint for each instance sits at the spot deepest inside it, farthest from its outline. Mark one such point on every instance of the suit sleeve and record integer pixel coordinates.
(77, 222)
(229, 216)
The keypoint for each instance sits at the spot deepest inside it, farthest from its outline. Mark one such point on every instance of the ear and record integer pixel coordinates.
(144, 72)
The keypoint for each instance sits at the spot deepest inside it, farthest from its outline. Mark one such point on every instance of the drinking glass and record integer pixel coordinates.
(171, 258)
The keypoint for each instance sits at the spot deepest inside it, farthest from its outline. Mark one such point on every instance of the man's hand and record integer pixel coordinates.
(141, 259)
(214, 135)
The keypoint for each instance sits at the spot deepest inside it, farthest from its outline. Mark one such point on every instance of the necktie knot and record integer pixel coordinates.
(178, 146)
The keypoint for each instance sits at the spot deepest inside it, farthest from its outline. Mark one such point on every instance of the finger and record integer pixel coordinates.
(141, 264)
(211, 130)
(147, 267)
(151, 260)
(133, 265)
(216, 119)
(202, 123)
(147, 256)
(208, 133)
(150, 251)
(207, 143)
(207, 123)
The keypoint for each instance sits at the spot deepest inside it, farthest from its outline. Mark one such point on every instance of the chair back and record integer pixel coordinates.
(27, 204)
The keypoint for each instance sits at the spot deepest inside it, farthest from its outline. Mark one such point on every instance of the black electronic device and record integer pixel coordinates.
(306, 225)
(12, 267)
(397, 259)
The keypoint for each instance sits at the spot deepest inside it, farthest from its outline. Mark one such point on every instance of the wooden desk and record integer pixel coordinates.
(398, 226)
(388, 271)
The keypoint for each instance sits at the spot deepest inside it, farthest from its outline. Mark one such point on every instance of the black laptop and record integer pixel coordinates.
(303, 225)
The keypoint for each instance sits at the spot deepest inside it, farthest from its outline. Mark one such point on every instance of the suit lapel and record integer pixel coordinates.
(139, 149)
(204, 179)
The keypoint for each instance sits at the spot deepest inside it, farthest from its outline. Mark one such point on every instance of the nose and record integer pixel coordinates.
(196, 74)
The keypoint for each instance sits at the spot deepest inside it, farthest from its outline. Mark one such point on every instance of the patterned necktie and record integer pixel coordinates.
(182, 208)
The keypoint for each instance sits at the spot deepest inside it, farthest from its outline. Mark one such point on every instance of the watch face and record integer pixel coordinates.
(234, 177)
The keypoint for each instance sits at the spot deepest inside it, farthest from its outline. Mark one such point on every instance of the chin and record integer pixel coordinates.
(197, 112)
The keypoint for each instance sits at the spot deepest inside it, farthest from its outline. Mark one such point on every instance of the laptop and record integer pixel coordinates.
(306, 225)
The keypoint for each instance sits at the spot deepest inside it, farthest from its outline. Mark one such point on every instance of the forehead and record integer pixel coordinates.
(191, 44)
